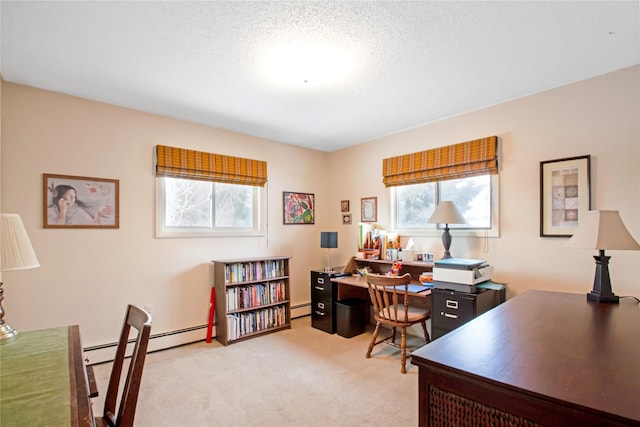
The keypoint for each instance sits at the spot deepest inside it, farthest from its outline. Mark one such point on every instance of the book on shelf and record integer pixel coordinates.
(241, 324)
(239, 297)
(253, 271)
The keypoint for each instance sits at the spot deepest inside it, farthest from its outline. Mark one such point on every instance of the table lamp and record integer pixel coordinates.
(16, 253)
(602, 230)
(446, 213)
(329, 240)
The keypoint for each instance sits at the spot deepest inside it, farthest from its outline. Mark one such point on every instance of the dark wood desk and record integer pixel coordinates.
(540, 359)
(43, 381)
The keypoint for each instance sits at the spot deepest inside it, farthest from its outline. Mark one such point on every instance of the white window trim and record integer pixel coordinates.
(434, 231)
(260, 219)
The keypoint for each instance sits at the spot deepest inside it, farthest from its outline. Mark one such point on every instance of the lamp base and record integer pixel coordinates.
(446, 242)
(7, 332)
(597, 297)
(602, 291)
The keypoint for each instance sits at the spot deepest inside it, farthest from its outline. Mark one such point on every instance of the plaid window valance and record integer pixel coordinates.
(463, 160)
(191, 164)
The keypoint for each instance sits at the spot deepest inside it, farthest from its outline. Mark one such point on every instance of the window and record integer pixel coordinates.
(193, 208)
(476, 198)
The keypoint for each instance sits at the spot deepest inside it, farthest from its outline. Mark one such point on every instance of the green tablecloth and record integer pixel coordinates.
(35, 387)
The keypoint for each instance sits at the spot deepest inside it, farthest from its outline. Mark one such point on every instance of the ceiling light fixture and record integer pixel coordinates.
(307, 63)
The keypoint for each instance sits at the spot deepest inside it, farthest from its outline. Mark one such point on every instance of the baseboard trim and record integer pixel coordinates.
(165, 340)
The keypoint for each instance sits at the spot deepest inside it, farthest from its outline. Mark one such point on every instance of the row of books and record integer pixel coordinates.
(255, 295)
(240, 324)
(461, 274)
(251, 271)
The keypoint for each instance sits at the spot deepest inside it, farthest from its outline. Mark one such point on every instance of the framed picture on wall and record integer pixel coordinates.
(80, 202)
(346, 219)
(369, 209)
(344, 206)
(298, 208)
(565, 195)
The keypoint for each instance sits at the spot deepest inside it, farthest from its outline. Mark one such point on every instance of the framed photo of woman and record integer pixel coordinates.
(80, 202)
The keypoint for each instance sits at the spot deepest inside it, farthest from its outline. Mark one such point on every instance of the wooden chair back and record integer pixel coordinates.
(391, 306)
(140, 321)
(390, 299)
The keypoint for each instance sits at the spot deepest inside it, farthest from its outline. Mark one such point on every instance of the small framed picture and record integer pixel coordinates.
(344, 206)
(565, 195)
(369, 209)
(346, 218)
(80, 202)
(298, 208)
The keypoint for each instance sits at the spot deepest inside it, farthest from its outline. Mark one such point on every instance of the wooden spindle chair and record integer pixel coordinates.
(391, 307)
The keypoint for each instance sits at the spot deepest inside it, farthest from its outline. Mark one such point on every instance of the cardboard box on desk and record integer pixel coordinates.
(467, 277)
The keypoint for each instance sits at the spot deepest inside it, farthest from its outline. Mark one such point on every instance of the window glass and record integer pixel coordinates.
(415, 204)
(187, 203)
(472, 196)
(233, 205)
(475, 197)
(192, 208)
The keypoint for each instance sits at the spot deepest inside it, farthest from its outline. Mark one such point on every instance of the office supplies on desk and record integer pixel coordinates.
(416, 289)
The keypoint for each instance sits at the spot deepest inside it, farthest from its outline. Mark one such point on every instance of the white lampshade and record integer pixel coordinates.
(446, 213)
(16, 252)
(602, 230)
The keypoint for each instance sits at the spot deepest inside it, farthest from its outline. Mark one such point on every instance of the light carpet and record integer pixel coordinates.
(296, 377)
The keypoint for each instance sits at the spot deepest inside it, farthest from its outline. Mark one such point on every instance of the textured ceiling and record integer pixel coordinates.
(406, 63)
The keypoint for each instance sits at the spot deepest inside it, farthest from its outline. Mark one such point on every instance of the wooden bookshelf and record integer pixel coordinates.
(252, 297)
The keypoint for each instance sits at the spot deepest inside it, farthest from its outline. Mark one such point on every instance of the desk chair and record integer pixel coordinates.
(390, 300)
(140, 320)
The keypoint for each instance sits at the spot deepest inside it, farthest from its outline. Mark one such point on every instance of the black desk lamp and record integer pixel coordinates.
(329, 240)
(602, 230)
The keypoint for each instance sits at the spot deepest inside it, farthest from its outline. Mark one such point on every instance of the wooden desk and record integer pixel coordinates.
(361, 282)
(43, 380)
(356, 287)
(540, 359)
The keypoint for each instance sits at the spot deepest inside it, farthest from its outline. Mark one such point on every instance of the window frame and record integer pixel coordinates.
(259, 218)
(435, 230)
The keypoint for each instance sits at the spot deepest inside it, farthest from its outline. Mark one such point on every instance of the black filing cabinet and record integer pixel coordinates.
(324, 294)
(452, 308)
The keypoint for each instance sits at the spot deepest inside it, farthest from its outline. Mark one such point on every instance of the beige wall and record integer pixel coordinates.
(599, 117)
(88, 276)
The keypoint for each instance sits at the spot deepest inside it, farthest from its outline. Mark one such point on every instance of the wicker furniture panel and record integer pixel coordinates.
(451, 410)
